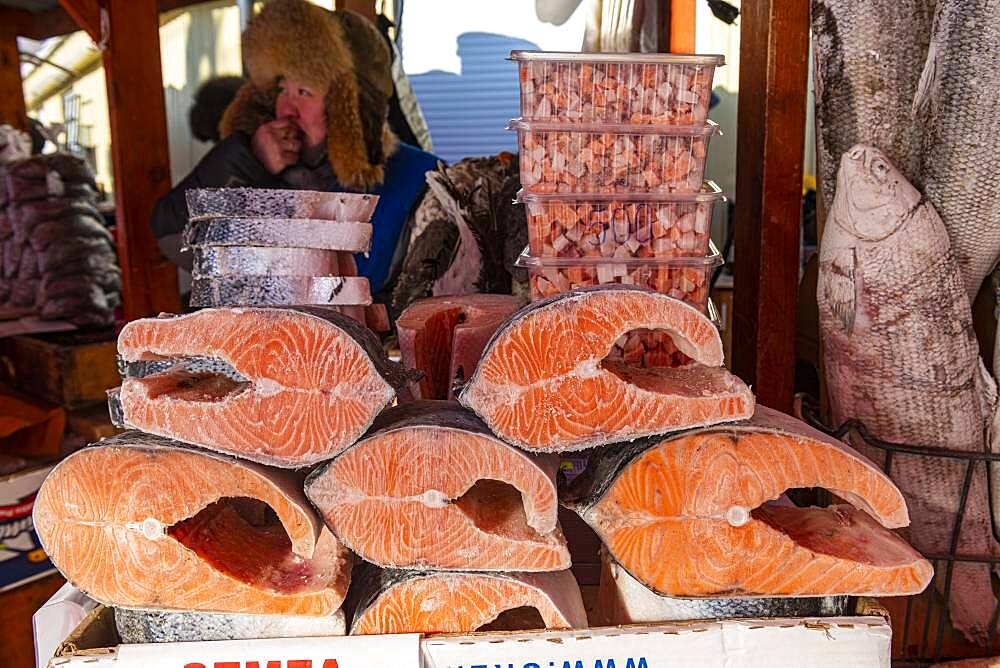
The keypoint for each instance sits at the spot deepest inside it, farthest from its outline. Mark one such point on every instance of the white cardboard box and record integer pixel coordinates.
(91, 645)
(841, 642)
(56, 619)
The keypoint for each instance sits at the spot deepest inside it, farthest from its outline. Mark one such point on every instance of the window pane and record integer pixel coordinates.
(457, 62)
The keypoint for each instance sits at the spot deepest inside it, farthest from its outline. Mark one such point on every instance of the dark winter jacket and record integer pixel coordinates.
(232, 163)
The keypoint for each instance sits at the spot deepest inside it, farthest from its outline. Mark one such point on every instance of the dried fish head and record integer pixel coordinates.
(877, 200)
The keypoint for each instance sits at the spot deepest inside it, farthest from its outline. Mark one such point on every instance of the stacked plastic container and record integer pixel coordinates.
(612, 157)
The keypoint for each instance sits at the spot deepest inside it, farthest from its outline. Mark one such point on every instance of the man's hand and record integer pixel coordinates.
(277, 144)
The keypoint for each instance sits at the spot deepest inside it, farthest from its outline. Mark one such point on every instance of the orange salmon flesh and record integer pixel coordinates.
(142, 522)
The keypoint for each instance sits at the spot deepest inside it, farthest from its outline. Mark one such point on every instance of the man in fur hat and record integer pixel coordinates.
(311, 116)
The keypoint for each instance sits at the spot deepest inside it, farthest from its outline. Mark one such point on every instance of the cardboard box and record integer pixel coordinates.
(818, 643)
(21, 556)
(56, 619)
(94, 645)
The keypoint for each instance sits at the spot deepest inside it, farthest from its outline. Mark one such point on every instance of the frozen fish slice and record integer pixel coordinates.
(431, 488)
(414, 602)
(336, 235)
(621, 599)
(205, 203)
(303, 384)
(243, 290)
(212, 261)
(151, 626)
(702, 497)
(544, 382)
(444, 337)
(143, 522)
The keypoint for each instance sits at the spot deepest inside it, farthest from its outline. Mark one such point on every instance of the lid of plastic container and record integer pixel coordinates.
(710, 128)
(657, 58)
(710, 192)
(710, 261)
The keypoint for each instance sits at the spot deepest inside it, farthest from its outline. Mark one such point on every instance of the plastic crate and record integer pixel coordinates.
(600, 158)
(646, 88)
(598, 225)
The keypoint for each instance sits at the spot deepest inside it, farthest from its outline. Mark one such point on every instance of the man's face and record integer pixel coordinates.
(304, 106)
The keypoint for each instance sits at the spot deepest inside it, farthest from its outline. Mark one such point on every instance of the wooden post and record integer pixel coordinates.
(770, 144)
(364, 7)
(139, 152)
(682, 26)
(86, 14)
(12, 111)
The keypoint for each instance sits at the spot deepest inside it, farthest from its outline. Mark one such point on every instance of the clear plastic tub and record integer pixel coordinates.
(599, 158)
(574, 225)
(684, 278)
(646, 88)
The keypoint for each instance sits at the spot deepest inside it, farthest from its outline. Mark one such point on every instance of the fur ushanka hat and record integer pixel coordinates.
(339, 53)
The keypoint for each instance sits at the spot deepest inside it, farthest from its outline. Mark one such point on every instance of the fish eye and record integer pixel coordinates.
(880, 169)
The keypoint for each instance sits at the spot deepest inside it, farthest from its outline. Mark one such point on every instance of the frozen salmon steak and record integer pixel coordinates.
(688, 515)
(148, 626)
(205, 203)
(431, 488)
(335, 235)
(545, 383)
(261, 261)
(248, 290)
(444, 338)
(291, 387)
(415, 602)
(621, 599)
(144, 522)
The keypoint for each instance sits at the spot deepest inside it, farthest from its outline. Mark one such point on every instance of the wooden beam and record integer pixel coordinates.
(137, 112)
(86, 14)
(769, 152)
(663, 25)
(12, 110)
(16, 21)
(55, 22)
(364, 7)
(682, 26)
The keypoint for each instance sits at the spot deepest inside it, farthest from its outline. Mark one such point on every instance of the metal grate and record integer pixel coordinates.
(928, 650)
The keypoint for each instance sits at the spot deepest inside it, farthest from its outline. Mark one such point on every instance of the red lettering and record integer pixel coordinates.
(270, 664)
(299, 663)
(194, 665)
(17, 511)
(330, 663)
(227, 664)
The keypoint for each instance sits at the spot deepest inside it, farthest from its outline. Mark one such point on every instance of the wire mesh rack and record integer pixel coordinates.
(922, 641)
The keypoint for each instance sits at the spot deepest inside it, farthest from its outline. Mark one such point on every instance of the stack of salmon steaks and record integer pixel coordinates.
(262, 247)
(269, 487)
(263, 453)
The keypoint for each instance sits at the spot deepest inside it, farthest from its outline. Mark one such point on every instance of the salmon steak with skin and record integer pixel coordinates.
(688, 515)
(415, 602)
(431, 488)
(444, 337)
(209, 203)
(300, 384)
(147, 523)
(545, 383)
